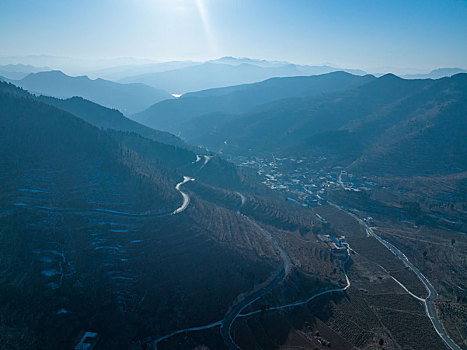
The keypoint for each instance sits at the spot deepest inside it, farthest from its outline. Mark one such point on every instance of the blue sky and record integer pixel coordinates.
(365, 34)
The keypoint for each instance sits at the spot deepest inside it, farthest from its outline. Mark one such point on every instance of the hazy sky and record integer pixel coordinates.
(359, 34)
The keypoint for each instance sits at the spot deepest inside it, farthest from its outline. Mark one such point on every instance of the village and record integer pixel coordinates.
(304, 180)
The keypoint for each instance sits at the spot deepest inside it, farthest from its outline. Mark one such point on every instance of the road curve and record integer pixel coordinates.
(432, 294)
(186, 201)
(298, 303)
(234, 311)
(192, 329)
(186, 197)
(242, 201)
(206, 160)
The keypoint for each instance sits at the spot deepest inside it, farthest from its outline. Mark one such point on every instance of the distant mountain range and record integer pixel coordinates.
(183, 77)
(19, 71)
(116, 73)
(224, 72)
(128, 98)
(236, 61)
(378, 124)
(209, 75)
(389, 125)
(304, 69)
(435, 74)
(193, 113)
(179, 77)
(118, 230)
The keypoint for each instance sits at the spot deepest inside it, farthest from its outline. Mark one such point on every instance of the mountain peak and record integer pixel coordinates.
(447, 71)
(128, 98)
(389, 77)
(46, 74)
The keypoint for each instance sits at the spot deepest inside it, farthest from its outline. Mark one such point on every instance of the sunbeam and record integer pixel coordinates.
(206, 24)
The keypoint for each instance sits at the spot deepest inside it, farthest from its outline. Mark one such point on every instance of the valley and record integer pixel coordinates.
(255, 296)
(302, 220)
(302, 186)
(233, 175)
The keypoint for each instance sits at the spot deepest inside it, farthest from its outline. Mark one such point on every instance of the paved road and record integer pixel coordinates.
(234, 312)
(242, 201)
(206, 160)
(341, 183)
(186, 197)
(303, 302)
(432, 294)
(186, 201)
(192, 329)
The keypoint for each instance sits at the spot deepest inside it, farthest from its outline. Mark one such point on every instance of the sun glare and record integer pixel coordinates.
(201, 6)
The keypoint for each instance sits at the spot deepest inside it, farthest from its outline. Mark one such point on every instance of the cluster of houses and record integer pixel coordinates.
(302, 179)
(335, 244)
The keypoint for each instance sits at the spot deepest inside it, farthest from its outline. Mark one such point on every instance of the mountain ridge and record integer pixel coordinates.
(348, 122)
(128, 98)
(212, 74)
(172, 115)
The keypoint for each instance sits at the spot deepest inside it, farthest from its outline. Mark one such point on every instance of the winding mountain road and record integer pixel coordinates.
(206, 160)
(185, 203)
(186, 197)
(242, 201)
(299, 303)
(432, 294)
(234, 311)
(192, 329)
